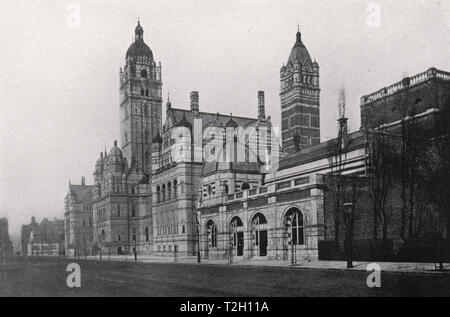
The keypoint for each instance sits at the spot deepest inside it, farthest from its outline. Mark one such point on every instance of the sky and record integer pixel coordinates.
(60, 60)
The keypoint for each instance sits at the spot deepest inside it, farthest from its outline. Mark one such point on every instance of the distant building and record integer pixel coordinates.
(6, 246)
(44, 239)
(78, 224)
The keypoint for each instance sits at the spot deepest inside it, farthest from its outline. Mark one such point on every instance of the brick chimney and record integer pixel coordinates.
(194, 102)
(83, 181)
(261, 106)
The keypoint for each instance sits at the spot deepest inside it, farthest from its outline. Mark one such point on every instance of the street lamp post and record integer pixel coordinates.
(199, 213)
(348, 218)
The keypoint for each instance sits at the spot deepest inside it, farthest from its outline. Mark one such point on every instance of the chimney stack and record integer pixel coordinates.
(83, 181)
(194, 102)
(261, 106)
(343, 133)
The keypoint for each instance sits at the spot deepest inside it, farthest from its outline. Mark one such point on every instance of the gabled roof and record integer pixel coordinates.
(83, 194)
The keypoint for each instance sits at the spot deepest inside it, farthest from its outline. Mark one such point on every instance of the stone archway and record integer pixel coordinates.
(294, 223)
(259, 235)
(237, 235)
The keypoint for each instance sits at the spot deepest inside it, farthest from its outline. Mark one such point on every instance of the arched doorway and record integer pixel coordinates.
(259, 234)
(211, 237)
(237, 235)
(294, 231)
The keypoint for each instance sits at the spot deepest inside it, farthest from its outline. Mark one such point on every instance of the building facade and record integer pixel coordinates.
(44, 239)
(78, 220)
(5, 243)
(160, 193)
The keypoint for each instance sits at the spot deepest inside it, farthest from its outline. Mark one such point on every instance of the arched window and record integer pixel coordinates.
(175, 188)
(259, 229)
(169, 188)
(245, 186)
(158, 194)
(295, 226)
(211, 231)
(146, 234)
(133, 210)
(118, 237)
(163, 192)
(235, 226)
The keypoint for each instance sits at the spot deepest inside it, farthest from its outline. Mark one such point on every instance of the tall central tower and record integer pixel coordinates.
(140, 103)
(300, 99)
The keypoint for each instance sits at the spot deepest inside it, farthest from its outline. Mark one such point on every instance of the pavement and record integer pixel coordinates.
(400, 267)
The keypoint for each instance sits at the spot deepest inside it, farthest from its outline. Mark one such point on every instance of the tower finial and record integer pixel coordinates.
(298, 27)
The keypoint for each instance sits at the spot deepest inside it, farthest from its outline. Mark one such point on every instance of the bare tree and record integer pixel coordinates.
(381, 162)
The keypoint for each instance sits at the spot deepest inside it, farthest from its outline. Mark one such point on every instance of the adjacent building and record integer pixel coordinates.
(43, 239)
(6, 246)
(78, 220)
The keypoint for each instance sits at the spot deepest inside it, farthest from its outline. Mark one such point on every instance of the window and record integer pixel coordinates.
(143, 73)
(146, 234)
(163, 192)
(118, 210)
(118, 238)
(175, 189)
(183, 229)
(133, 210)
(169, 193)
(295, 226)
(245, 186)
(211, 230)
(117, 189)
(158, 194)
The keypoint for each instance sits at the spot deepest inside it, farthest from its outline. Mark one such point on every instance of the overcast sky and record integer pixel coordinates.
(59, 82)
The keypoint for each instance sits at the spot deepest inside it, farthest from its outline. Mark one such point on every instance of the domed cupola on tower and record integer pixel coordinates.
(140, 103)
(114, 160)
(138, 48)
(99, 165)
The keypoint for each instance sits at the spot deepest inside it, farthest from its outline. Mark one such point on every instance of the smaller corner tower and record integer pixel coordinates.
(300, 99)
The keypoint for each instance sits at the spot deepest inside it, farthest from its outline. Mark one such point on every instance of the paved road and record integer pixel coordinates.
(47, 277)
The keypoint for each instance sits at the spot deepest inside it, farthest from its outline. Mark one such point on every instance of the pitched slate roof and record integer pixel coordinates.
(316, 152)
(82, 193)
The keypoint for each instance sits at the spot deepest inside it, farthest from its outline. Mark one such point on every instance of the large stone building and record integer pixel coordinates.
(6, 246)
(160, 193)
(78, 224)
